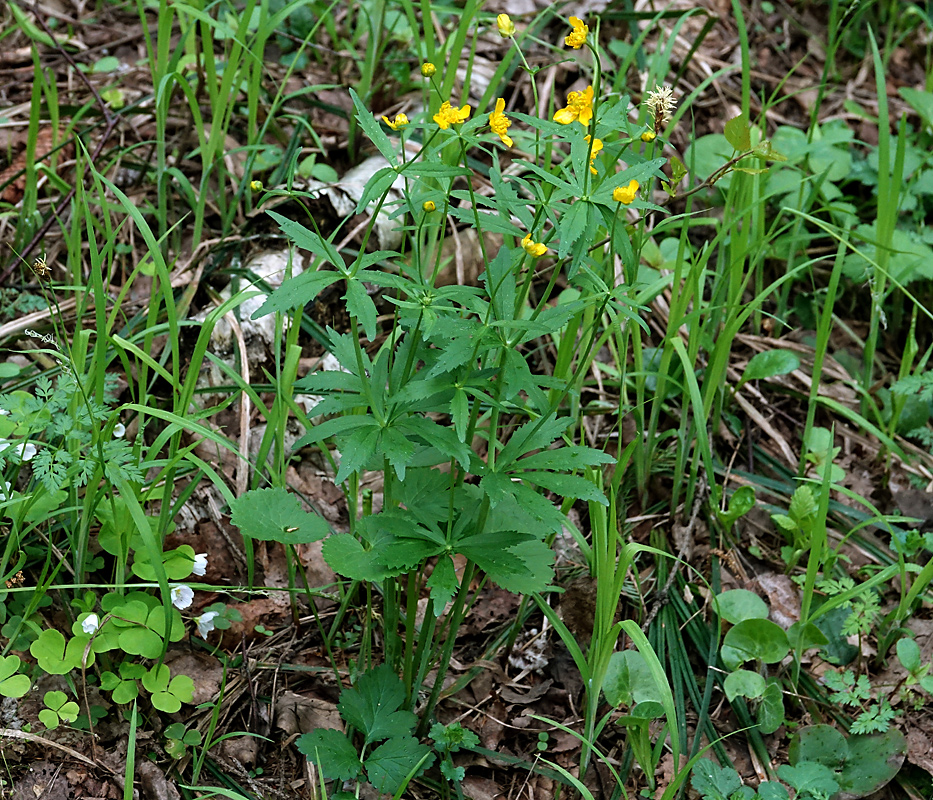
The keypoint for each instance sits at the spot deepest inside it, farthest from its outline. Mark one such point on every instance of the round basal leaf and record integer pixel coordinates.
(804, 636)
(908, 652)
(738, 605)
(770, 713)
(647, 710)
(274, 515)
(754, 640)
(628, 680)
(874, 760)
(823, 744)
(743, 683)
(769, 364)
(741, 502)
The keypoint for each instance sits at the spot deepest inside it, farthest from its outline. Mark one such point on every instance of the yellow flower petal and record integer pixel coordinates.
(625, 194)
(577, 37)
(447, 116)
(506, 26)
(534, 249)
(499, 123)
(400, 121)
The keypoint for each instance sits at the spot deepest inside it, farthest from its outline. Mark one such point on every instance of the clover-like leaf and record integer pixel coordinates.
(12, 684)
(275, 515)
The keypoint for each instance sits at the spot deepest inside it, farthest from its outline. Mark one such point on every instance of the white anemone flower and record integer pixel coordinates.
(205, 622)
(181, 595)
(119, 430)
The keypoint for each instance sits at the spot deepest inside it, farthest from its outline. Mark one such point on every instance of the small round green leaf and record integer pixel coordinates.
(743, 683)
(738, 605)
(769, 364)
(754, 640)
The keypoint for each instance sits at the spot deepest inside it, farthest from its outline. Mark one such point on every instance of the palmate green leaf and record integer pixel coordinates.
(438, 436)
(275, 515)
(490, 223)
(309, 240)
(713, 782)
(809, 777)
(533, 435)
(357, 449)
(566, 459)
(565, 486)
(346, 556)
(296, 292)
(515, 561)
(564, 188)
(572, 225)
(497, 486)
(361, 306)
(378, 184)
(333, 427)
(372, 705)
(372, 129)
(442, 583)
(397, 449)
(331, 749)
(390, 764)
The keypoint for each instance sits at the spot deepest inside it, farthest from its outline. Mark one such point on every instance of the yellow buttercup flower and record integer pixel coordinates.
(597, 146)
(648, 136)
(577, 37)
(579, 108)
(506, 26)
(447, 116)
(400, 121)
(499, 123)
(428, 69)
(429, 206)
(625, 194)
(256, 186)
(534, 249)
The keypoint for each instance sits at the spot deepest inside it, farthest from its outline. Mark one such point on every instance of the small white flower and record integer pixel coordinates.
(4, 412)
(90, 623)
(27, 451)
(119, 430)
(181, 595)
(5, 490)
(206, 622)
(200, 564)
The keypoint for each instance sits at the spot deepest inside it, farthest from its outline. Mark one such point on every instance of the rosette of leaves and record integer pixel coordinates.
(388, 756)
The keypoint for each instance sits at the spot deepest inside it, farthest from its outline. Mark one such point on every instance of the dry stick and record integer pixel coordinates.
(685, 541)
(111, 120)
